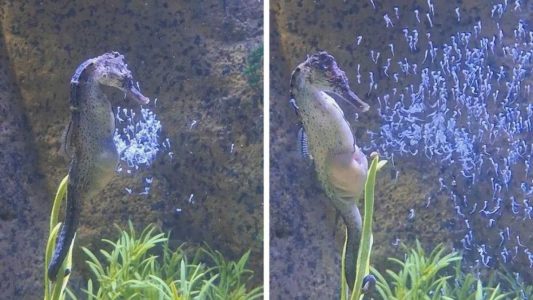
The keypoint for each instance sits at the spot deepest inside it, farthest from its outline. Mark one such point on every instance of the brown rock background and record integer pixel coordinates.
(191, 55)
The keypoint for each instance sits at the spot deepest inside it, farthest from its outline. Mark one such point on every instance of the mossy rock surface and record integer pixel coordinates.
(189, 55)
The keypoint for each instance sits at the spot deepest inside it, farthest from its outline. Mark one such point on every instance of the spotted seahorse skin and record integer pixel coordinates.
(89, 139)
(340, 165)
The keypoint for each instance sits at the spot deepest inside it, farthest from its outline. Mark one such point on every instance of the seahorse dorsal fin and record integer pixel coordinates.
(66, 143)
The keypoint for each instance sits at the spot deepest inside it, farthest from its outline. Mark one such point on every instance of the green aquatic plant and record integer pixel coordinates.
(143, 266)
(468, 287)
(232, 277)
(419, 276)
(365, 245)
(55, 290)
(423, 276)
(520, 289)
(253, 69)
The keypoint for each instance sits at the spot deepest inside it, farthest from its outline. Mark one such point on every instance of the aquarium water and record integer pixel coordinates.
(463, 106)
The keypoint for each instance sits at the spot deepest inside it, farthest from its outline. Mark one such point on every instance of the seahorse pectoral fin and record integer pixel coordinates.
(303, 146)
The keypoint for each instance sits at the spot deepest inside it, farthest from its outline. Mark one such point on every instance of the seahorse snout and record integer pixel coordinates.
(134, 94)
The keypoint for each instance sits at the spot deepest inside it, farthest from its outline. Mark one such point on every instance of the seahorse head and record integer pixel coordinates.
(321, 71)
(111, 70)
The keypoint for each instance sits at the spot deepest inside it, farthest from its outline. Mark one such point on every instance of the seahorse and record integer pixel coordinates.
(89, 139)
(326, 137)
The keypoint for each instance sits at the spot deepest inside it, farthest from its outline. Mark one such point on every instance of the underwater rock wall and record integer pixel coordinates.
(206, 183)
(459, 152)
(22, 194)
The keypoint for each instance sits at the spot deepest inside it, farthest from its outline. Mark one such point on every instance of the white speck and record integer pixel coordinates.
(191, 199)
(388, 21)
(178, 210)
(145, 192)
(192, 124)
(517, 5)
(411, 215)
(359, 39)
(429, 19)
(128, 190)
(231, 148)
(137, 141)
(431, 8)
